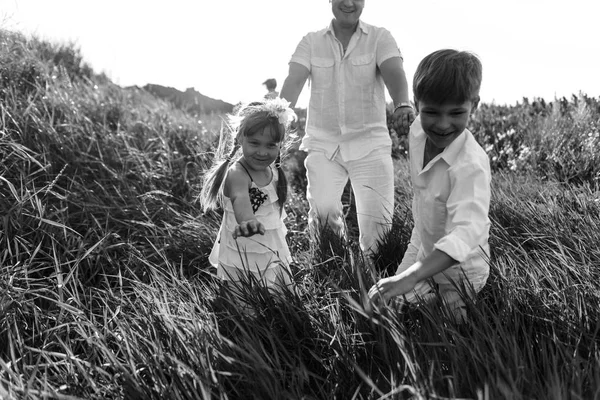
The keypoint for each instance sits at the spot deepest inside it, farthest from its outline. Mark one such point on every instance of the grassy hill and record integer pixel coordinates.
(106, 292)
(191, 101)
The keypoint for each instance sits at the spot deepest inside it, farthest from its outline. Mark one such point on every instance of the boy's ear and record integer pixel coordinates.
(416, 103)
(474, 104)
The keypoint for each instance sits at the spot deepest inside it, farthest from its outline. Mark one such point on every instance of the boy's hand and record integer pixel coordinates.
(402, 118)
(248, 228)
(393, 286)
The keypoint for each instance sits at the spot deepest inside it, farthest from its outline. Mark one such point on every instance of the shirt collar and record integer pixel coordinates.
(450, 153)
(361, 25)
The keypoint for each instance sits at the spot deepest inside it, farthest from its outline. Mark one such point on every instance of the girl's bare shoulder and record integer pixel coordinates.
(236, 179)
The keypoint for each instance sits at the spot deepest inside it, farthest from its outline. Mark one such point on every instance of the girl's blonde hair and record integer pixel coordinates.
(249, 119)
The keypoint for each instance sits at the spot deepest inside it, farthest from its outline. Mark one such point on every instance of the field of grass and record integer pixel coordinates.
(106, 292)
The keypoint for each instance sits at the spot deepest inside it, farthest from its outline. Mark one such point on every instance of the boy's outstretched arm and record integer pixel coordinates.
(406, 280)
(294, 83)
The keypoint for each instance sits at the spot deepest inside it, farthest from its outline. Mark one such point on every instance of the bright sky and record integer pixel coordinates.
(225, 49)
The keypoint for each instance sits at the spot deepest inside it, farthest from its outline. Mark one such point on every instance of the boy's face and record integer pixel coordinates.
(443, 123)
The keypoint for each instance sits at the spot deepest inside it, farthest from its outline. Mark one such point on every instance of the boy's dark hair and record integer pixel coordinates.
(270, 83)
(448, 76)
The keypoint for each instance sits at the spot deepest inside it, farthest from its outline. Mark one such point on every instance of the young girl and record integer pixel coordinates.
(251, 187)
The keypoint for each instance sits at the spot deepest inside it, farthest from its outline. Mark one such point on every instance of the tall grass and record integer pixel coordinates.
(105, 289)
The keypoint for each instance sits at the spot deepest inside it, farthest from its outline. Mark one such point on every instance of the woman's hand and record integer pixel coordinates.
(248, 228)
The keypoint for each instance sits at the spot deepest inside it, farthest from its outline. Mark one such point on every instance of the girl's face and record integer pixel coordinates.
(260, 149)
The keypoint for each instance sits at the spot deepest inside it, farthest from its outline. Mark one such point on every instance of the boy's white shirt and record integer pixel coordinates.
(451, 198)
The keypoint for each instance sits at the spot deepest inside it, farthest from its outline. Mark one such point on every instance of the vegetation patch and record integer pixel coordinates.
(106, 291)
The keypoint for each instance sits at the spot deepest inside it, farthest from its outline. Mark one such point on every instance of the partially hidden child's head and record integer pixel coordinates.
(270, 83)
(448, 76)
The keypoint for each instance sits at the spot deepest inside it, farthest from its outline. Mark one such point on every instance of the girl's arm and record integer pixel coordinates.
(236, 188)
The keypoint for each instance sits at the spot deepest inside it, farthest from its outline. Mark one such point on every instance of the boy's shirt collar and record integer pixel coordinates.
(449, 154)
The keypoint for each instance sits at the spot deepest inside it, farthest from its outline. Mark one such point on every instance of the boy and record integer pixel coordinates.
(451, 176)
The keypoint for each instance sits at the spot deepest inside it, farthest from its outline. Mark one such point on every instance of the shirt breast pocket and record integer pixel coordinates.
(364, 69)
(435, 221)
(321, 73)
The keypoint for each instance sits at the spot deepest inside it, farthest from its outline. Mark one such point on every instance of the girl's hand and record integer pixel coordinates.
(248, 228)
(387, 288)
